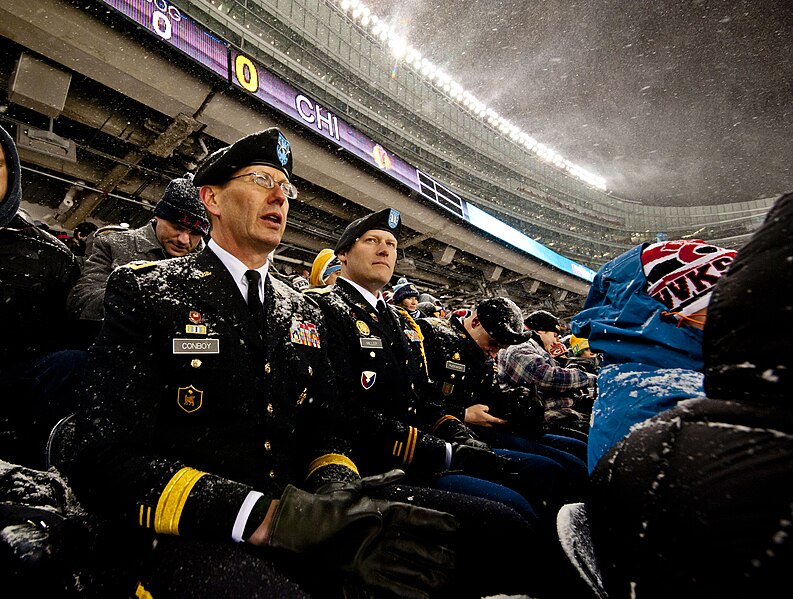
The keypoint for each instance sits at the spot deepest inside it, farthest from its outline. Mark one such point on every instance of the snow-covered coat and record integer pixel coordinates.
(181, 381)
(696, 502)
(380, 369)
(649, 363)
(108, 252)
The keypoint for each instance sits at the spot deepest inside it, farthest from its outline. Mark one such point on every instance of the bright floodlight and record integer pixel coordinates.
(398, 46)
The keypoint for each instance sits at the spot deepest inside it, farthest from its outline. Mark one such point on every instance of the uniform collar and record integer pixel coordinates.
(367, 295)
(237, 268)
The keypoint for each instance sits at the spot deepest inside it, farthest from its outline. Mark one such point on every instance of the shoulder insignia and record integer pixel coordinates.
(141, 264)
(318, 290)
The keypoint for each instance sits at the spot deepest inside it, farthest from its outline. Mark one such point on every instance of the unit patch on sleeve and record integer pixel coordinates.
(367, 379)
(304, 333)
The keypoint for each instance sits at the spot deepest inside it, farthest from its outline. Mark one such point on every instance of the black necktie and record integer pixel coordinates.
(254, 301)
(385, 313)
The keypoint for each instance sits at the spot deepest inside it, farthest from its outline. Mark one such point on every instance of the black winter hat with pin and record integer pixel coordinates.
(268, 148)
(541, 320)
(182, 205)
(387, 219)
(502, 319)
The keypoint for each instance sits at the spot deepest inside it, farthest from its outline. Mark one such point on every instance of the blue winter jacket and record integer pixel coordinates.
(649, 363)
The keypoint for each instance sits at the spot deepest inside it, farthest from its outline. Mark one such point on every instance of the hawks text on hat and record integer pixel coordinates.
(681, 274)
(387, 219)
(268, 148)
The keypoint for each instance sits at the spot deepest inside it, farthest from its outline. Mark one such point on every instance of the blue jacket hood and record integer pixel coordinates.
(10, 203)
(624, 323)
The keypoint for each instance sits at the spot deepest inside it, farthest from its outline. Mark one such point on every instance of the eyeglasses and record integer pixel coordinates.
(266, 181)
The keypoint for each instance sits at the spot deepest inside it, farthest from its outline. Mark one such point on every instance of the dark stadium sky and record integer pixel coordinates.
(674, 102)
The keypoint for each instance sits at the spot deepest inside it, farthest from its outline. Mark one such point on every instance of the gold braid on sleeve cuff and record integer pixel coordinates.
(330, 459)
(173, 499)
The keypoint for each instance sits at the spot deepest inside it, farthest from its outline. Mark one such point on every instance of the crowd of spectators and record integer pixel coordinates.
(173, 399)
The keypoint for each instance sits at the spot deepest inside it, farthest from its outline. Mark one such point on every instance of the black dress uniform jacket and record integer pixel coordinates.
(459, 371)
(461, 375)
(188, 408)
(380, 370)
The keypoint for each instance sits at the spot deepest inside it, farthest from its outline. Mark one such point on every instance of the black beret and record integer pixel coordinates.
(503, 320)
(542, 321)
(268, 147)
(387, 219)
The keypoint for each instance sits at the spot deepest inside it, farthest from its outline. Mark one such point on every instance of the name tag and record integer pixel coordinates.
(371, 343)
(196, 346)
(456, 366)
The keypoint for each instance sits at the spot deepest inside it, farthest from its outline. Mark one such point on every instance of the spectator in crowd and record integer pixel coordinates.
(644, 312)
(377, 352)
(177, 228)
(566, 392)
(460, 353)
(300, 283)
(579, 347)
(40, 359)
(210, 416)
(406, 296)
(696, 501)
(378, 359)
(325, 269)
(428, 310)
(581, 356)
(78, 242)
(438, 312)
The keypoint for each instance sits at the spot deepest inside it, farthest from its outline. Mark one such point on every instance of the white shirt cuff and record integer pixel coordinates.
(243, 514)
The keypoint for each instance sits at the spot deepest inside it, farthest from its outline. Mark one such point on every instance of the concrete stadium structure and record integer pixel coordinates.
(106, 112)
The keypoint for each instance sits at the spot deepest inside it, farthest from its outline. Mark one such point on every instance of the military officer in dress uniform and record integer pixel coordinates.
(379, 361)
(210, 413)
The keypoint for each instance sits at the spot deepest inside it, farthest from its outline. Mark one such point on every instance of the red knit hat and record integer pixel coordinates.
(681, 274)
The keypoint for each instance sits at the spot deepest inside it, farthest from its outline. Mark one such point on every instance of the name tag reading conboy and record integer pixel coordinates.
(196, 346)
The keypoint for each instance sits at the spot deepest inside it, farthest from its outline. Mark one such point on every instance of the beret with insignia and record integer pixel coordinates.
(268, 147)
(387, 219)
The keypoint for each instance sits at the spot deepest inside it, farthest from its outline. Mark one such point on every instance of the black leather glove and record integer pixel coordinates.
(471, 442)
(385, 548)
(454, 431)
(481, 463)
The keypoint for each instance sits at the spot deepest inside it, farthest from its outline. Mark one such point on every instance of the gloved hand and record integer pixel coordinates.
(388, 548)
(481, 463)
(454, 431)
(470, 441)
